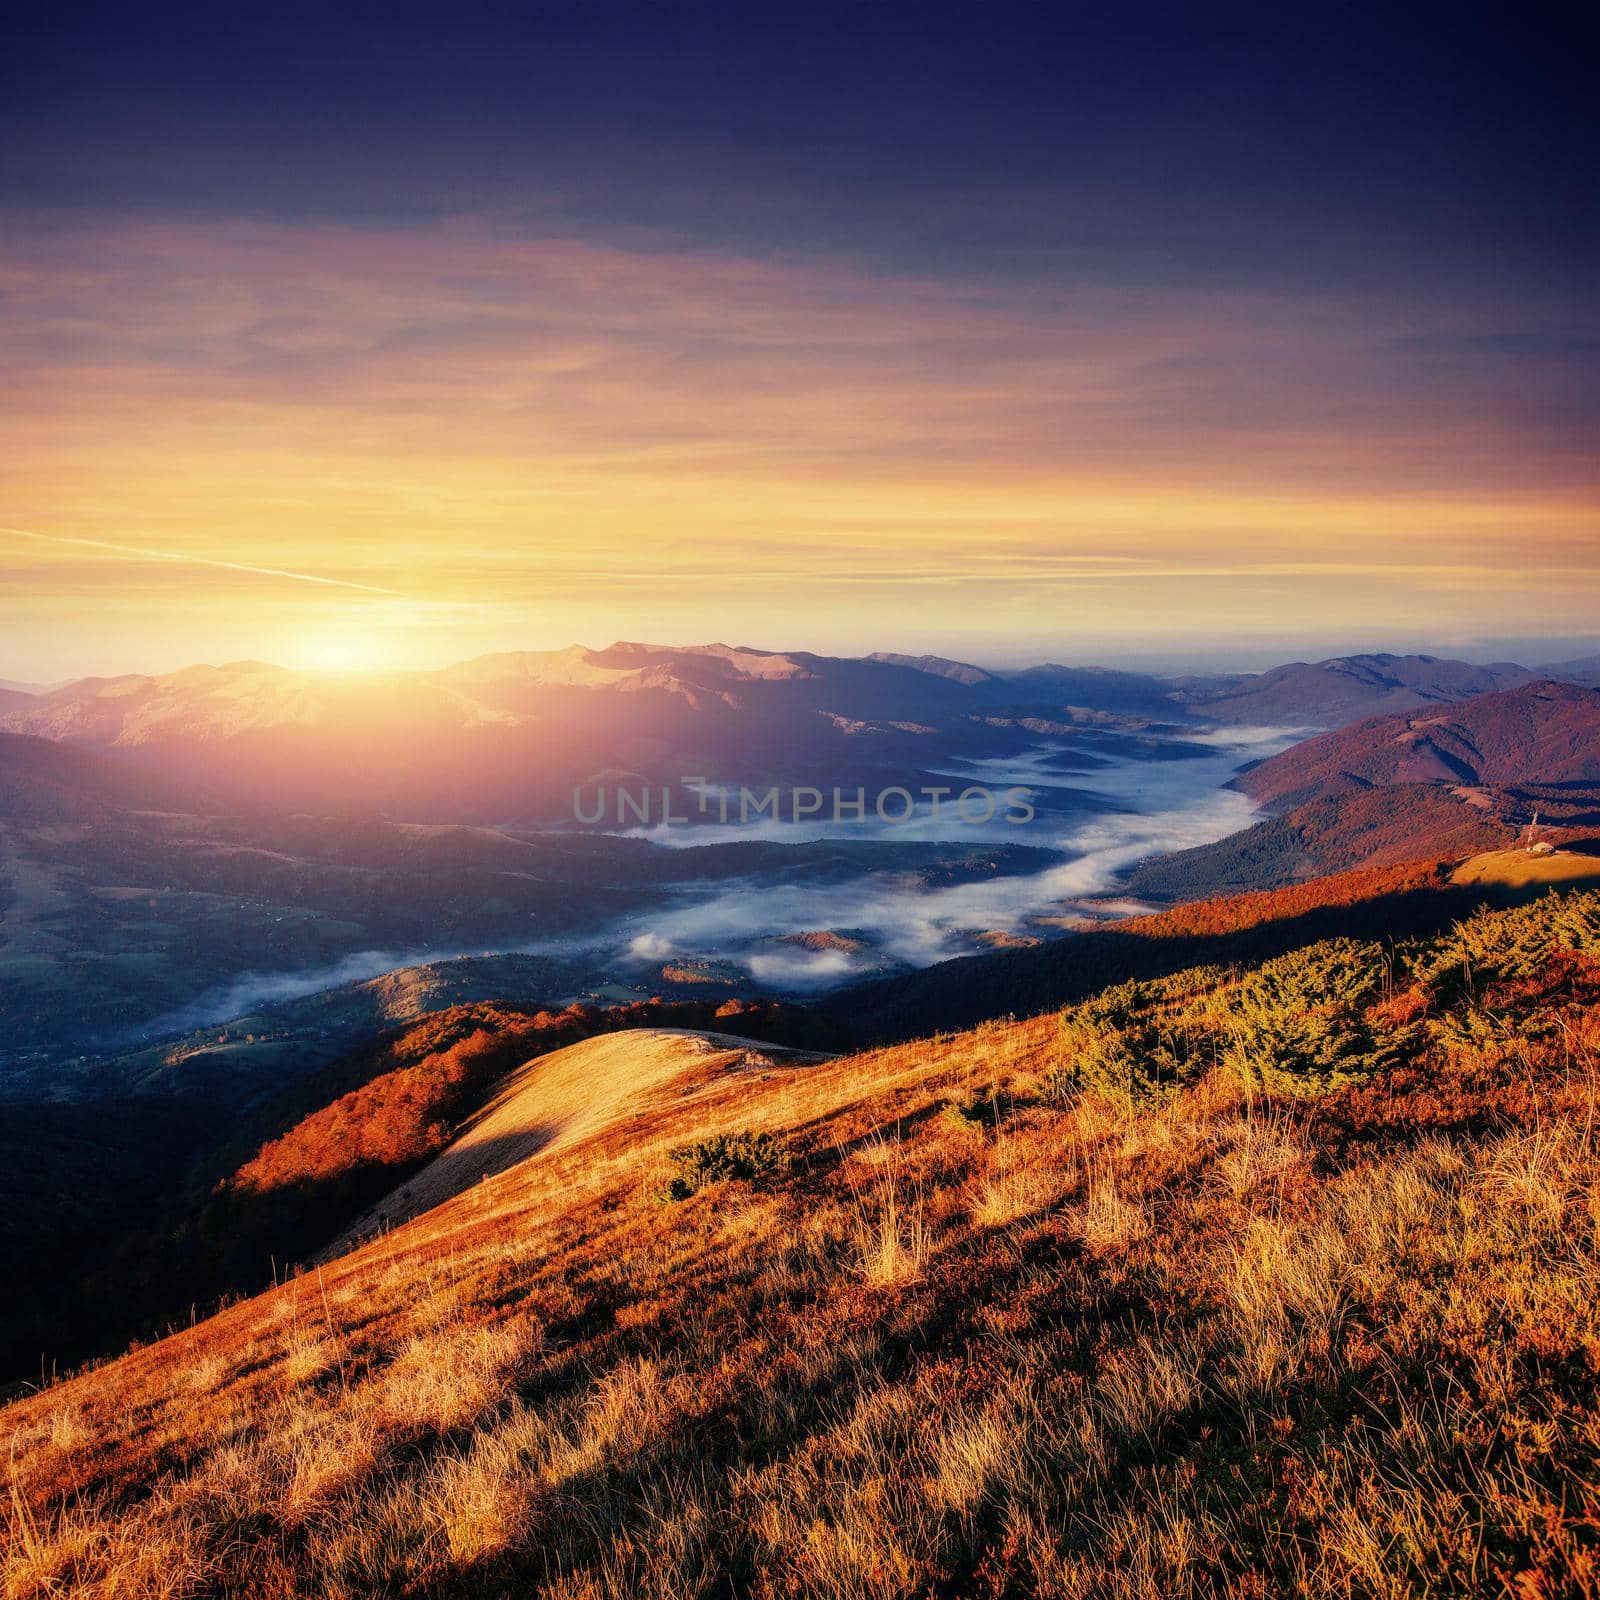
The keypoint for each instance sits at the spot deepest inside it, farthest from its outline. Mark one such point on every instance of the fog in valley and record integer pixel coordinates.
(1101, 814)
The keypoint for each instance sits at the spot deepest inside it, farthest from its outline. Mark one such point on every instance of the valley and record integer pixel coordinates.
(162, 941)
(138, 905)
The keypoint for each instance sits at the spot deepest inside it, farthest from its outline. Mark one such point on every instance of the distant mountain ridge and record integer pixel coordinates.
(509, 737)
(1333, 692)
(506, 737)
(42, 782)
(937, 666)
(1100, 689)
(1584, 670)
(248, 696)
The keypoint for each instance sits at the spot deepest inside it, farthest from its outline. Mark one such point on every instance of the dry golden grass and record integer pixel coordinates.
(1262, 1155)
(1208, 1347)
(1107, 1221)
(1518, 870)
(890, 1231)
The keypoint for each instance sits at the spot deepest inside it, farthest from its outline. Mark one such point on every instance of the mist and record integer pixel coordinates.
(1153, 806)
(251, 991)
(1172, 805)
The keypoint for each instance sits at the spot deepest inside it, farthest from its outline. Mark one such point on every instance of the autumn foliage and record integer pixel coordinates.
(402, 1115)
(1240, 912)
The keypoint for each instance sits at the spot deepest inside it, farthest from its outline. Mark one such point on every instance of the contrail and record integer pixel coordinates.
(198, 561)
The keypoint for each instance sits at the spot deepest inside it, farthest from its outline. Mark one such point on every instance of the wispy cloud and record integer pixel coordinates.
(543, 438)
(188, 559)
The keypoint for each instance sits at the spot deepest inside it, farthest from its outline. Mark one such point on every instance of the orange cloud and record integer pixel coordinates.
(531, 439)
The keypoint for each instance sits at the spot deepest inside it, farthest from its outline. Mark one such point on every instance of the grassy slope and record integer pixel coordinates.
(1272, 1281)
(308, 1162)
(564, 1097)
(335, 1139)
(1516, 869)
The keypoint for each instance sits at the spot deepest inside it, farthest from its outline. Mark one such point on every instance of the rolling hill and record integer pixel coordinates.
(587, 1091)
(43, 782)
(200, 1163)
(1540, 735)
(1151, 1295)
(1575, 866)
(1583, 669)
(1367, 827)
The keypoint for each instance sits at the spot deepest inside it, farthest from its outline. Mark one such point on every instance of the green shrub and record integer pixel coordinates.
(719, 1159)
(1299, 1025)
(1136, 1065)
(1497, 946)
(981, 1110)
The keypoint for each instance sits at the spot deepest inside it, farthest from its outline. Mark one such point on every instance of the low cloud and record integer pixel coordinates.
(795, 969)
(1182, 804)
(252, 990)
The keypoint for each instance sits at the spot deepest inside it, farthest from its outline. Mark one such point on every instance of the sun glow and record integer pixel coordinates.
(335, 653)
(876, 460)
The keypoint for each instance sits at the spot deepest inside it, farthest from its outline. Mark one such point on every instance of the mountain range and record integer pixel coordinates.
(1327, 694)
(174, 833)
(506, 738)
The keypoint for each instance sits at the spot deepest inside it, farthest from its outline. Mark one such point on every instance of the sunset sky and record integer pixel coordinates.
(393, 335)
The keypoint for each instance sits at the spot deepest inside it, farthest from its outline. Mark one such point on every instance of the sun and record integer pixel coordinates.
(335, 653)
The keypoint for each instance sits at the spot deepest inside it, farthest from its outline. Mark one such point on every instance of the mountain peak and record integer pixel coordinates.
(935, 666)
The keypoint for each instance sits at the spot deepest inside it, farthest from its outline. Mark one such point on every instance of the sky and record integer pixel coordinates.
(389, 335)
